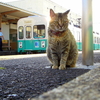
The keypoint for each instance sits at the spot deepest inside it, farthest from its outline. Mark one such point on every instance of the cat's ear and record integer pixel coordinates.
(52, 14)
(65, 13)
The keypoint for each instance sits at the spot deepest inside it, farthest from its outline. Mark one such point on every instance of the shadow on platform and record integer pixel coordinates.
(2, 53)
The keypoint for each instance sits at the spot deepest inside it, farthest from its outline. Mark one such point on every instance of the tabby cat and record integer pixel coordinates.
(62, 49)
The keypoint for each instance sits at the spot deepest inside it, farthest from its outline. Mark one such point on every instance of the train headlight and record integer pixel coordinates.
(20, 44)
(43, 44)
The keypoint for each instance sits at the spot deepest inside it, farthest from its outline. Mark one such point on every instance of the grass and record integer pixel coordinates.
(2, 68)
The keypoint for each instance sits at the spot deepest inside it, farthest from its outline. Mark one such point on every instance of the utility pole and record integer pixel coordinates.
(87, 33)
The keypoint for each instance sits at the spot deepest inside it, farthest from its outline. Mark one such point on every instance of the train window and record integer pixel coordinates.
(78, 36)
(21, 32)
(95, 41)
(28, 32)
(99, 40)
(39, 31)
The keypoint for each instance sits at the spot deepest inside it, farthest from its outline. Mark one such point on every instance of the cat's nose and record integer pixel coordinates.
(60, 27)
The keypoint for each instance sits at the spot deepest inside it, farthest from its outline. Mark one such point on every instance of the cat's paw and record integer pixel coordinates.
(62, 67)
(54, 67)
(73, 65)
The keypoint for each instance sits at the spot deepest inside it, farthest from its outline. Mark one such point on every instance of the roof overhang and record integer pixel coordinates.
(11, 13)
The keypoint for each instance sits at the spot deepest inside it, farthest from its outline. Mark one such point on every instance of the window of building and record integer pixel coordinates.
(93, 32)
(21, 32)
(39, 31)
(28, 32)
(97, 33)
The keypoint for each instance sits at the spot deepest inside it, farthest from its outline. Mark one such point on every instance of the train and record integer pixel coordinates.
(32, 35)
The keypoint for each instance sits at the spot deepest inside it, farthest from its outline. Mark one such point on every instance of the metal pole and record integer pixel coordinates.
(87, 33)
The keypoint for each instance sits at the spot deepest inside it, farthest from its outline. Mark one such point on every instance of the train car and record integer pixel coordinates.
(32, 34)
(78, 36)
(96, 40)
(76, 31)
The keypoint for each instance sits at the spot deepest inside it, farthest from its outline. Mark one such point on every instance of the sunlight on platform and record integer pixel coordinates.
(21, 56)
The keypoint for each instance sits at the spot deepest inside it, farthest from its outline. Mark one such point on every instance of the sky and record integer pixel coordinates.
(75, 6)
(7, 0)
(62, 3)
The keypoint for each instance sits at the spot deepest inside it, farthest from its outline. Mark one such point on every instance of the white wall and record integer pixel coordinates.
(13, 26)
(43, 7)
(30, 5)
(38, 6)
(47, 5)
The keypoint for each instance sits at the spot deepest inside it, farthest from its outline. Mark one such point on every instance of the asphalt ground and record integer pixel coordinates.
(23, 76)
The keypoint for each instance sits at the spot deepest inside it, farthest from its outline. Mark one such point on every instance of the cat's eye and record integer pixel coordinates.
(66, 21)
(55, 21)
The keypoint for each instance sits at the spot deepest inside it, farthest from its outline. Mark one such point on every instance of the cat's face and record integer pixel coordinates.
(59, 21)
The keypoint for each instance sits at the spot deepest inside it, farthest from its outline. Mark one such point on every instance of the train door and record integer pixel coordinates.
(28, 38)
(20, 38)
(39, 35)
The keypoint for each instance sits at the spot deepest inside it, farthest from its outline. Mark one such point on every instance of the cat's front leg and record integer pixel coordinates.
(55, 63)
(62, 67)
(54, 67)
(63, 60)
(55, 60)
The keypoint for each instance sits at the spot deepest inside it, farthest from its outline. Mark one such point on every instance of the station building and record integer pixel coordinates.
(9, 15)
(43, 7)
(11, 12)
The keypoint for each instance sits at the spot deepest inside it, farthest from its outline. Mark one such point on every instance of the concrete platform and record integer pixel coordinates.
(84, 87)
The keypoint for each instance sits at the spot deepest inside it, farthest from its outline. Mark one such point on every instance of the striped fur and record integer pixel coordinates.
(62, 48)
